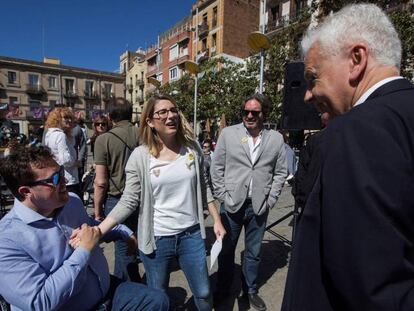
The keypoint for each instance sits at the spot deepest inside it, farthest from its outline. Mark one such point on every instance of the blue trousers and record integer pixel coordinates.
(254, 227)
(130, 296)
(189, 248)
(126, 267)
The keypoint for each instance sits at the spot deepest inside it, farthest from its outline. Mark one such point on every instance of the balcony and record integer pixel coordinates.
(203, 55)
(140, 83)
(130, 87)
(89, 95)
(34, 89)
(152, 70)
(107, 96)
(203, 30)
(70, 94)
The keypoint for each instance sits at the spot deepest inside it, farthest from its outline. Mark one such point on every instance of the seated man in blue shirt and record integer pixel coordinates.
(39, 269)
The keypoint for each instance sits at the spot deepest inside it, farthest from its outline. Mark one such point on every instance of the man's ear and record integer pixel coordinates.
(358, 62)
(24, 191)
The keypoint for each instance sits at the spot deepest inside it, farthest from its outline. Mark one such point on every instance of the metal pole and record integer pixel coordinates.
(195, 104)
(196, 79)
(262, 53)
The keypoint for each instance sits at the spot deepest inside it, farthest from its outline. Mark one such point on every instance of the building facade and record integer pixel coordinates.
(30, 89)
(165, 60)
(134, 66)
(223, 28)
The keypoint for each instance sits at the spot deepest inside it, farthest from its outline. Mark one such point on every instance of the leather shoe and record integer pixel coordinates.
(256, 302)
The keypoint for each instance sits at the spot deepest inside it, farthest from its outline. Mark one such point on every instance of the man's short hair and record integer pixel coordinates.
(16, 169)
(121, 110)
(357, 23)
(262, 99)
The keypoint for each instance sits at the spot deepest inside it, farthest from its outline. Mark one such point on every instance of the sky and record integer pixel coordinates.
(85, 33)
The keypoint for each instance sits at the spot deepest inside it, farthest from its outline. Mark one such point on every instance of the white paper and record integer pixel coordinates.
(215, 251)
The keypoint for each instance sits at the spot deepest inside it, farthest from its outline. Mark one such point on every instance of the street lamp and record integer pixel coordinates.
(193, 68)
(154, 82)
(259, 42)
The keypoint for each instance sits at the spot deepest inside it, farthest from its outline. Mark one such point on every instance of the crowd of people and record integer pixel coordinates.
(154, 184)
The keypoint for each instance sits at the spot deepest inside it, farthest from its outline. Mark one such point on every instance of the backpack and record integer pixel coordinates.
(127, 154)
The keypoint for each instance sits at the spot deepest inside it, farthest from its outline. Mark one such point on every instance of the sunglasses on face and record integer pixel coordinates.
(254, 113)
(163, 113)
(55, 179)
(100, 124)
(206, 146)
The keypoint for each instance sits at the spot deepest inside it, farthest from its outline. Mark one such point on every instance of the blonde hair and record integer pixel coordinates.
(54, 118)
(149, 137)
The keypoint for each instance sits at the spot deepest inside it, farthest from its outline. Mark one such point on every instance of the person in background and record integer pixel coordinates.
(39, 269)
(100, 125)
(248, 172)
(165, 180)
(81, 149)
(208, 154)
(59, 139)
(111, 152)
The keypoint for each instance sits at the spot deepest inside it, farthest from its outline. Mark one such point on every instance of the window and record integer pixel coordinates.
(174, 73)
(13, 101)
(173, 52)
(108, 88)
(214, 22)
(12, 77)
(88, 88)
(52, 103)
(69, 86)
(33, 79)
(204, 45)
(34, 104)
(52, 82)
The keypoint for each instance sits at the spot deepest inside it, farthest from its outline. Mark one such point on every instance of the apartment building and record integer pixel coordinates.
(223, 28)
(30, 89)
(134, 66)
(165, 60)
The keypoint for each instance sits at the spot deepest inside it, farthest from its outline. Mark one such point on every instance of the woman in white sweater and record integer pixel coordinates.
(166, 179)
(59, 139)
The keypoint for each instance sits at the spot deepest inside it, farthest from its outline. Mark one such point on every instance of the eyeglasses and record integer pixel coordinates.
(163, 113)
(254, 113)
(55, 179)
(100, 124)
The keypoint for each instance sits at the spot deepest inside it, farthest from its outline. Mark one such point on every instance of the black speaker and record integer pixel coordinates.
(296, 114)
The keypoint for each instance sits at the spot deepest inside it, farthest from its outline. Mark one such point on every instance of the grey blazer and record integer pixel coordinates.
(232, 169)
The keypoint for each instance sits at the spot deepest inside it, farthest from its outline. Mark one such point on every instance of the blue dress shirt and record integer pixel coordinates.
(39, 270)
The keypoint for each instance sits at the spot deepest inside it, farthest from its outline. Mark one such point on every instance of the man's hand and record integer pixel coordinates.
(219, 230)
(87, 237)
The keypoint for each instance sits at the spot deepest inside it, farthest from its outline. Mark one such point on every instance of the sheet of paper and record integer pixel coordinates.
(215, 251)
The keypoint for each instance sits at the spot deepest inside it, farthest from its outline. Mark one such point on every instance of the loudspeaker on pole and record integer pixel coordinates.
(296, 114)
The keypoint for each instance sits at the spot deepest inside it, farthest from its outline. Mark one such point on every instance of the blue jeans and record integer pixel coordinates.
(126, 267)
(189, 248)
(130, 296)
(254, 227)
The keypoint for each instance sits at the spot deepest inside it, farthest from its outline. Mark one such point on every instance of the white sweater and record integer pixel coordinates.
(64, 152)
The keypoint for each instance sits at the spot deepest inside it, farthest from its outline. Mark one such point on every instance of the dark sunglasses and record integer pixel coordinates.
(100, 123)
(55, 179)
(254, 113)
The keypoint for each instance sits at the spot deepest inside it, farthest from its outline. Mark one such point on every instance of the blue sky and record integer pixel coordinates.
(85, 33)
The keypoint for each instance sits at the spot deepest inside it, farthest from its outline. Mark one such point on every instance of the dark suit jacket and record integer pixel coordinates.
(354, 246)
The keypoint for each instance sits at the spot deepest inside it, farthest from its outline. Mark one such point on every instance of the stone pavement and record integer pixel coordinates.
(273, 268)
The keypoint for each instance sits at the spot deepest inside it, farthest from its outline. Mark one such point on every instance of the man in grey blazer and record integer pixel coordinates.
(248, 172)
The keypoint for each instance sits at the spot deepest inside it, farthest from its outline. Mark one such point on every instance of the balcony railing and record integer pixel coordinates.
(284, 20)
(90, 95)
(35, 89)
(129, 87)
(203, 30)
(140, 83)
(70, 94)
(106, 96)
